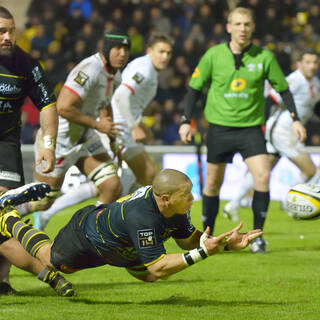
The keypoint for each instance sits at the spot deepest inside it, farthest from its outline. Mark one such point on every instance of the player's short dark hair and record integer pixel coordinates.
(307, 51)
(5, 13)
(160, 37)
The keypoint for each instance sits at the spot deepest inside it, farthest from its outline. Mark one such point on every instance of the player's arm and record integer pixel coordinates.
(49, 127)
(172, 263)
(69, 104)
(121, 100)
(43, 98)
(190, 243)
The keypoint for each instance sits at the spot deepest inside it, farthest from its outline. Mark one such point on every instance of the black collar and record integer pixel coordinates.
(238, 56)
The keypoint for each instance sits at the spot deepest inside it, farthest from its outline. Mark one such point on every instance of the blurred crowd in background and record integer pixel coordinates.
(60, 33)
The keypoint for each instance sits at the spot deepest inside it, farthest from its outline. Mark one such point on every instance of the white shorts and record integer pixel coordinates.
(68, 154)
(282, 140)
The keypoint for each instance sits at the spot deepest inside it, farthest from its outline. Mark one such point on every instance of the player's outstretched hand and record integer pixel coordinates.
(214, 245)
(185, 132)
(238, 241)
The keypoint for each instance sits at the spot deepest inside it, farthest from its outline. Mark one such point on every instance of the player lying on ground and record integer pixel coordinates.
(129, 233)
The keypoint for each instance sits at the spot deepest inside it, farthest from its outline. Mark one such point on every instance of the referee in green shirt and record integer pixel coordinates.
(235, 73)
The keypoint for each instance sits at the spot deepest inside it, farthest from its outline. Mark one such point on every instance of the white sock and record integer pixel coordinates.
(23, 209)
(76, 195)
(244, 188)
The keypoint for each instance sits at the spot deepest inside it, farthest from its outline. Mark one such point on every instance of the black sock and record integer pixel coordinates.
(260, 205)
(10, 222)
(210, 209)
(49, 276)
(31, 239)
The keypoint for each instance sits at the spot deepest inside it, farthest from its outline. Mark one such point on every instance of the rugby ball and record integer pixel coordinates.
(303, 201)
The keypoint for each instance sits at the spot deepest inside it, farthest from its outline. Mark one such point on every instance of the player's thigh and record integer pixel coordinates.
(55, 182)
(143, 168)
(89, 163)
(11, 167)
(71, 250)
(305, 164)
(259, 166)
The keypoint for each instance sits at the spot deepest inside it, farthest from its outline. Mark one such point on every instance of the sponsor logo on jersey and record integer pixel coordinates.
(36, 74)
(5, 107)
(81, 78)
(253, 66)
(196, 73)
(43, 90)
(9, 175)
(238, 84)
(138, 77)
(9, 89)
(146, 238)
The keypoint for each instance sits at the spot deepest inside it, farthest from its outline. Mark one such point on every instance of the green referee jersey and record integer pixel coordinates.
(236, 96)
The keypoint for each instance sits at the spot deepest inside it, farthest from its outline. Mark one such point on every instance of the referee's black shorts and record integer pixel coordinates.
(11, 167)
(71, 251)
(223, 142)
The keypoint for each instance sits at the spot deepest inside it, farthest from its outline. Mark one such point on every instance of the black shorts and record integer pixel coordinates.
(11, 167)
(224, 142)
(71, 251)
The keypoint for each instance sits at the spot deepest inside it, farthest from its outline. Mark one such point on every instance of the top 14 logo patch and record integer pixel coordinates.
(146, 238)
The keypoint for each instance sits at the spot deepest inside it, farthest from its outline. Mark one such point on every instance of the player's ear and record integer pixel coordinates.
(228, 27)
(165, 197)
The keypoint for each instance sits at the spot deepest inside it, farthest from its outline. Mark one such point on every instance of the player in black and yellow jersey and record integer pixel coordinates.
(129, 233)
(20, 76)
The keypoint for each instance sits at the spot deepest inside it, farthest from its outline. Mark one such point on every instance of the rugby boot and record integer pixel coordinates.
(5, 288)
(258, 245)
(29, 192)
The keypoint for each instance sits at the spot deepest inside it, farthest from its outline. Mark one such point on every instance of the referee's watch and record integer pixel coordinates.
(184, 120)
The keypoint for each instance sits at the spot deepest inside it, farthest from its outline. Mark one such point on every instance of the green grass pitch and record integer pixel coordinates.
(280, 285)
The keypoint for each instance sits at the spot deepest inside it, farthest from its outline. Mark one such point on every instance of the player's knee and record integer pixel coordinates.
(261, 180)
(105, 171)
(46, 202)
(111, 189)
(212, 187)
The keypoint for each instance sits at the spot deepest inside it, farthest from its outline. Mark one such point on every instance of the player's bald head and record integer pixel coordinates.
(169, 181)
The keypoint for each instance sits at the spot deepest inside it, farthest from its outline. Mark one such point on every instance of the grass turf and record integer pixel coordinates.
(233, 285)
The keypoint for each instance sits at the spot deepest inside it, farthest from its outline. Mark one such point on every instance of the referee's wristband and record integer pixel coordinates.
(184, 120)
(193, 256)
(294, 116)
